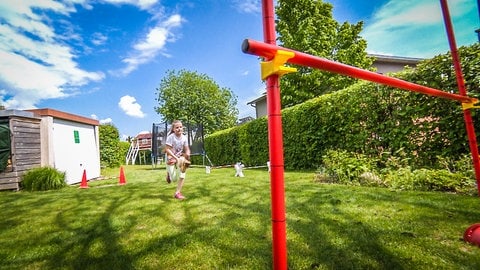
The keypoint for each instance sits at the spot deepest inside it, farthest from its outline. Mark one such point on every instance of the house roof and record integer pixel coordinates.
(65, 116)
(253, 102)
(380, 58)
(144, 136)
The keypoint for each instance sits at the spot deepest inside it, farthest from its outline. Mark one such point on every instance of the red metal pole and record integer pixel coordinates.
(303, 59)
(472, 138)
(275, 140)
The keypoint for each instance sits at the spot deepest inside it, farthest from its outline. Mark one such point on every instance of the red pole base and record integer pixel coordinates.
(472, 234)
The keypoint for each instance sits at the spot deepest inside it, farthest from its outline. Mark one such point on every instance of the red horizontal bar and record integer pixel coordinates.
(268, 51)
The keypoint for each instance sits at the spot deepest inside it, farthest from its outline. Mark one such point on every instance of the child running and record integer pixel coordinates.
(176, 147)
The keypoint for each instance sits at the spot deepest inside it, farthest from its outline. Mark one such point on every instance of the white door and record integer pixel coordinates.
(75, 150)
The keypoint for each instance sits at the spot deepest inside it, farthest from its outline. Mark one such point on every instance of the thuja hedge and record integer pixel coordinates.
(366, 118)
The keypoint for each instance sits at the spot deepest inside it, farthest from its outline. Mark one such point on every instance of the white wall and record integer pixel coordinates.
(261, 108)
(74, 157)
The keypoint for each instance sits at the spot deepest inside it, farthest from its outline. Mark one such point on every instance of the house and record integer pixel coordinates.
(244, 120)
(383, 64)
(47, 137)
(388, 64)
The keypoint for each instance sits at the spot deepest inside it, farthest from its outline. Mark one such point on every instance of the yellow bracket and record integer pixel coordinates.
(470, 105)
(276, 65)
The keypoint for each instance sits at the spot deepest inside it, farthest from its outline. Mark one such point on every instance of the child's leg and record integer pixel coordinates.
(171, 172)
(181, 180)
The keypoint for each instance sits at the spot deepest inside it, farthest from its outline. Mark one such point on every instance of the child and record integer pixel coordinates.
(176, 147)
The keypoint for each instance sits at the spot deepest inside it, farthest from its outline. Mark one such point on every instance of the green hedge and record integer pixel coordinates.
(366, 118)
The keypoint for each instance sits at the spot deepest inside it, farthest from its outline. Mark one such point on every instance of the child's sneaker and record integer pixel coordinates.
(168, 179)
(179, 196)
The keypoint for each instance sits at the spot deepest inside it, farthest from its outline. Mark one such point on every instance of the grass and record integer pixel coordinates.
(225, 223)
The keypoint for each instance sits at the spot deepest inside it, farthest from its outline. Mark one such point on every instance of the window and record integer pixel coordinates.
(76, 136)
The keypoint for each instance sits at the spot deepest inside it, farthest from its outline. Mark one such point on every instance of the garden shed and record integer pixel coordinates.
(70, 143)
(47, 137)
(20, 146)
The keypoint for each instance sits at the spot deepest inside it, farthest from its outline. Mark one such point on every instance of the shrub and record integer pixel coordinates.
(349, 168)
(44, 178)
(343, 167)
(110, 150)
(400, 179)
(441, 180)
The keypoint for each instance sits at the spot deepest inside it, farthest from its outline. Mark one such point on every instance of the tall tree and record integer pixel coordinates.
(308, 26)
(196, 100)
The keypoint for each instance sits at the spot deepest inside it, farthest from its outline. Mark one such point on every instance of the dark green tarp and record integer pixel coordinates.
(4, 145)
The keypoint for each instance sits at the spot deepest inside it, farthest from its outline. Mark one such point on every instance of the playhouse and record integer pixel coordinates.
(148, 143)
(139, 147)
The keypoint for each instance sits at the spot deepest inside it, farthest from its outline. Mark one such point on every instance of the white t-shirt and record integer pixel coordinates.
(177, 143)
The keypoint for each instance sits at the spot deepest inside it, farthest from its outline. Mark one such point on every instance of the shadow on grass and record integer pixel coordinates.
(336, 239)
(370, 230)
(225, 223)
(91, 243)
(95, 229)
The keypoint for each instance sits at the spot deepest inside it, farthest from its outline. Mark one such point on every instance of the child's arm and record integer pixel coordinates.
(186, 151)
(170, 153)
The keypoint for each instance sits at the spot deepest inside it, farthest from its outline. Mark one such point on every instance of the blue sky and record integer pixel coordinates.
(104, 59)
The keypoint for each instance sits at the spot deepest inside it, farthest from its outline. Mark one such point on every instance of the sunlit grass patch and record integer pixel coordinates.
(225, 223)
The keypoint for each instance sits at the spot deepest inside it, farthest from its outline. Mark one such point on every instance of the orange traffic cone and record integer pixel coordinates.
(122, 177)
(84, 183)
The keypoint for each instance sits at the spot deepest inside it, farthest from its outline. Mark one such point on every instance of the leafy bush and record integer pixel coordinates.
(110, 151)
(44, 178)
(430, 180)
(439, 180)
(347, 168)
(350, 168)
(400, 179)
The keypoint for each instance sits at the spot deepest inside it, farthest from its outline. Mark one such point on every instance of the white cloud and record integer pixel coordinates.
(34, 64)
(105, 121)
(130, 106)
(102, 121)
(99, 39)
(31, 48)
(154, 42)
(142, 4)
(248, 6)
(415, 28)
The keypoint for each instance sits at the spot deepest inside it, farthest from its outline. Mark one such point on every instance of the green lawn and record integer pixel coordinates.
(225, 223)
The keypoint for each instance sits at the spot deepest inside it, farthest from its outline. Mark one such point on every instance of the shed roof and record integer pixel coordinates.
(65, 116)
(18, 113)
